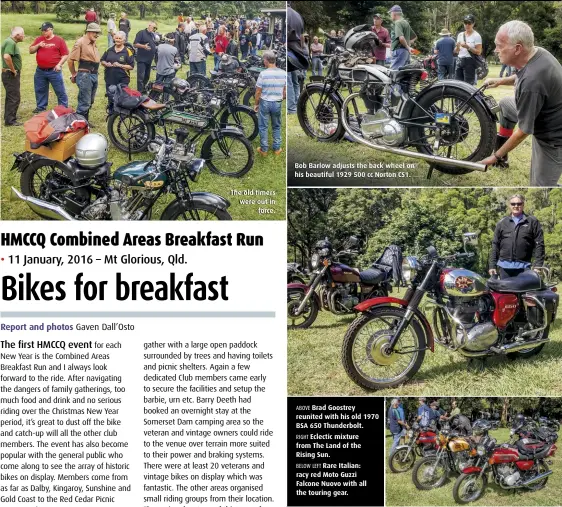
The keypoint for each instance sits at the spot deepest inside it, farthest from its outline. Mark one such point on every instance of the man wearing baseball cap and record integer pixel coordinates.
(444, 48)
(469, 43)
(50, 53)
(402, 37)
(86, 53)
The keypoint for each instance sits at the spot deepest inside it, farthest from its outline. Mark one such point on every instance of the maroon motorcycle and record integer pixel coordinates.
(335, 286)
(520, 466)
(386, 345)
(422, 443)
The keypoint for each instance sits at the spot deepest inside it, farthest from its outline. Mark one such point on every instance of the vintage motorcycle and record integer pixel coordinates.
(82, 188)
(296, 273)
(226, 150)
(422, 442)
(335, 286)
(520, 466)
(386, 345)
(450, 123)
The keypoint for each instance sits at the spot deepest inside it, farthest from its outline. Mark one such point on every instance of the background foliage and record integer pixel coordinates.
(414, 219)
(427, 18)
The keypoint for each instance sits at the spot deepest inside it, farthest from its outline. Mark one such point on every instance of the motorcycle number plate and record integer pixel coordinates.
(443, 118)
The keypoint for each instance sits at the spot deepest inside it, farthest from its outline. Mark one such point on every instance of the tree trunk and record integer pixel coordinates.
(36, 7)
(505, 408)
(142, 9)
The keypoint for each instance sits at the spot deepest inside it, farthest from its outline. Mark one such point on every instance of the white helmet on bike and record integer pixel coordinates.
(361, 38)
(92, 150)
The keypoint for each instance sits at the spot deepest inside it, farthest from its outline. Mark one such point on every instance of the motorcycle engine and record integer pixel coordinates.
(342, 300)
(474, 330)
(462, 460)
(509, 476)
(383, 129)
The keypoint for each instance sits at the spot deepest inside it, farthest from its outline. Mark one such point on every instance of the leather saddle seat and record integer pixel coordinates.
(405, 71)
(372, 276)
(152, 105)
(532, 449)
(528, 280)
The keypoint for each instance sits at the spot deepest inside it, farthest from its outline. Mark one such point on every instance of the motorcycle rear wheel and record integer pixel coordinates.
(469, 487)
(198, 81)
(542, 468)
(249, 98)
(363, 350)
(130, 131)
(474, 131)
(228, 154)
(319, 114)
(308, 315)
(423, 476)
(398, 463)
(524, 354)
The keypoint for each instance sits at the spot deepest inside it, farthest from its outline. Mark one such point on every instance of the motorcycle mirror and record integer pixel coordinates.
(470, 238)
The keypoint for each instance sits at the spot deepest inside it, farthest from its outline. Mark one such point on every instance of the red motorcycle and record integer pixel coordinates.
(522, 466)
(335, 286)
(386, 345)
(422, 443)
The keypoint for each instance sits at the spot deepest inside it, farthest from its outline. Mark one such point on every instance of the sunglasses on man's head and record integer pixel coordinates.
(516, 204)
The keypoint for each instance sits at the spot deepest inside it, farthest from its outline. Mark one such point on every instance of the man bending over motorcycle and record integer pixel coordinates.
(536, 106)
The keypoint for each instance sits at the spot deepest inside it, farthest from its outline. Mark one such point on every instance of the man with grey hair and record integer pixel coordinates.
(198, 51)
(536, 107)
(396, 424)
(11, 74)
(517, 239)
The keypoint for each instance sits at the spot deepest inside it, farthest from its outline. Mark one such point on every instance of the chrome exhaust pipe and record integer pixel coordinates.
(434, 159)
(535, 479)
(505, 349)
(40, 207)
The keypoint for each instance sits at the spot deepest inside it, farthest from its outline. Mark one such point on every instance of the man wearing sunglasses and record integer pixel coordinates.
(469, 43)
(517, 239)
(536, 107)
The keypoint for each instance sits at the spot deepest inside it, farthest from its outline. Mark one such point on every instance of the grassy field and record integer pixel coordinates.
(314, 368)
(308, 150)
(400, 489)
(268, 173)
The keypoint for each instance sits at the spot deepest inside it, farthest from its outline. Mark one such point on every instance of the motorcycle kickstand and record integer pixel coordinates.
(477, 363)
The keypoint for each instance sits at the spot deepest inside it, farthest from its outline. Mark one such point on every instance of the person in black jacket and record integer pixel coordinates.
(180, 41)
(517, 238)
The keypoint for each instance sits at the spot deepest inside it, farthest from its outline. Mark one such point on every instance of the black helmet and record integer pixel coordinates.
(469, 18)
(481, 427)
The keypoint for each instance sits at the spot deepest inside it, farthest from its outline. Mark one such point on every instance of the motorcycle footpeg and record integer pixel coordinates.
(495, 350)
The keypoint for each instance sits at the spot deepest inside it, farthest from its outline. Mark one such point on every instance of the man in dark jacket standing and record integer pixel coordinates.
(181, 41)
(396, 424)
(146, 46)
(517, 238)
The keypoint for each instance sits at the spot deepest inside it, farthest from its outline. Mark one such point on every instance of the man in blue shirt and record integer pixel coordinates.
(424, 413)
(395, 424)
(444, 48)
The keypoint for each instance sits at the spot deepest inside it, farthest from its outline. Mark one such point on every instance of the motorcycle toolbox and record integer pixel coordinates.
(60, 150)
(550, 301)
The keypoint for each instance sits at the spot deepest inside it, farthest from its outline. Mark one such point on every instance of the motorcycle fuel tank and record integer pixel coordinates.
(458, 445)
(462, 283)
(344, 274)
(136, 169)
(504, 455)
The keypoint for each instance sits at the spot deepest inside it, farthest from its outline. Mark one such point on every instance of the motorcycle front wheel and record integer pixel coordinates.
(244, 118)
(364, 354)
(429, 473)
(197, 211)
(306, 318)
(470, 136)
(401, 460)
(319, 114)
(130, 132)
(469, 487)
(228, 154)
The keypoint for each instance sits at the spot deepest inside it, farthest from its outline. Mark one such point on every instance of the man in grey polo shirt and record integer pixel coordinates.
(536, 106)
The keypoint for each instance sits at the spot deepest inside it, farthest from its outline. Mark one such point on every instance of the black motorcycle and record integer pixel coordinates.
(450, 124)
(296, 273)
(226, 151)
(67, 191)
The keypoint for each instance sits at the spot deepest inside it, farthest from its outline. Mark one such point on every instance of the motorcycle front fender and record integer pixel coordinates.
(210, 199)
(366, 305)
(471, 470)
(231, 129)
(305, 288)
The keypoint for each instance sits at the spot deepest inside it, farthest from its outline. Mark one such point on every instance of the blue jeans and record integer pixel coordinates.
(395, 441)
(198, 68)
(316, 66)
(87, 85)
(505, 68)
(217, 61)
(293, 91)
(445, 72)
(266, 111)
(254, 51)
(41, 82)
(400, 57)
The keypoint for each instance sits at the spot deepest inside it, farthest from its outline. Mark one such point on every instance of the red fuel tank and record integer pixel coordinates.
(504, 455)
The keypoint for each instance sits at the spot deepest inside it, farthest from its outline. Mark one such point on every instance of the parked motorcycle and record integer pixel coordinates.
(422, 442)
(335, 286)
(521, 466)
(386, 345)
(226, 151)
(82, 188)
(450, 123)
(296, 273)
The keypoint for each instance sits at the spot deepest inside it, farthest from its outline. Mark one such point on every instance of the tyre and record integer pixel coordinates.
(228, 154)
(428, 473)
(244, 118)
(198, 211)
(249, 98)
(541, 468)
(401, 460)
(130, 132)
(363, 351)
(526, 353)
(469, 487)
(470, 136)
(198, 81)
(319, 114)
(305, 319)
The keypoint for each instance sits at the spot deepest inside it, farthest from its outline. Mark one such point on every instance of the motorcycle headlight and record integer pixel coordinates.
(411, 433)
(481, 450)
(410, 266)
(315, 260)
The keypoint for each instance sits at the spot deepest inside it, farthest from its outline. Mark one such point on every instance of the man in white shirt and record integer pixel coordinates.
(469, 43)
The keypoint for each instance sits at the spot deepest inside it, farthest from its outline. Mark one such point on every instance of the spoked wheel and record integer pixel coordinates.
(453, 129)
(319, 114)
(540, 468)
(130, 132)
(525, 353)
(429, 473)
(198, 81)
(401, 460)
(469, 487)
(197, 211)
(228, 154)
(304, 319)
(365, 354)
(244, 118)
